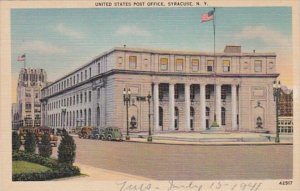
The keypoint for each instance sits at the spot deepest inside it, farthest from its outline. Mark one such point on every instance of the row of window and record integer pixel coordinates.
(192, 114)
(73, 80)
(72, 100)
(71, 118)
(225, 90)
(195, 64)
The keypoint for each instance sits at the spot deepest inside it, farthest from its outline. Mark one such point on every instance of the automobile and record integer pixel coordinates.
(40, 131)
(111, 134)
(95, 134)
(85, 132)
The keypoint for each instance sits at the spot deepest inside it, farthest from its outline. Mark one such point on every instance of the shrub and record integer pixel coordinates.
(16, 142)
(45, 148)
(30, 143)
(66, 149)
(35, 158)
(57, 170)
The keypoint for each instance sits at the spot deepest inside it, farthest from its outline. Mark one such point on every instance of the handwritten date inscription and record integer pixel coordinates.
(189, 186)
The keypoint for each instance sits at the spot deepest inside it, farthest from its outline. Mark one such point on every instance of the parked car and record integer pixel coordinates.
(85, 132)
(95, 134)
(40, 131)
(111, 134)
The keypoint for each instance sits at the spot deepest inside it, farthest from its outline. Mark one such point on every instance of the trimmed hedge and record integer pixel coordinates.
(58, 170)
(16, 142)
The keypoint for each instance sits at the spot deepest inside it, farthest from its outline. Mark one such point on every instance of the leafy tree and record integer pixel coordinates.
(16, 142)
(30, 143)
(66, 149)
(45, 148)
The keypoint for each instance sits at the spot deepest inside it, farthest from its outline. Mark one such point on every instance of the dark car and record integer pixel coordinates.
(111, 134)
(95, 134)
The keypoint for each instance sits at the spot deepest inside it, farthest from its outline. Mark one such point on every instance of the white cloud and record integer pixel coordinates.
(66, 31)
(266, 35)
(41, 47)
(131, 30)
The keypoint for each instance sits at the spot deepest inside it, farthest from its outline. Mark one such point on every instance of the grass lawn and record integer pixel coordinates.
(27, 167)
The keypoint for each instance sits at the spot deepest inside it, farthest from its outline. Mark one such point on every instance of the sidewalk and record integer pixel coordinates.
(225, 138)
(98, 174)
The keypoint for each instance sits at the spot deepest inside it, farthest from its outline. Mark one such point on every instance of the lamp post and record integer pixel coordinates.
(276, 94)
(126, 100)
(149, 139)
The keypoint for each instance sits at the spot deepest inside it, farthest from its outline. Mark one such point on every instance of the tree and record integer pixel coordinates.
(45, 148)
(30, 143)
(67, 149)
(16, 142)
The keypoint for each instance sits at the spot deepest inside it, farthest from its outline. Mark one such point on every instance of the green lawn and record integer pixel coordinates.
(27, 167)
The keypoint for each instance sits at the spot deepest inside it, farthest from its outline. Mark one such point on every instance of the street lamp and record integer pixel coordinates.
(149, 139)
(126, 100)
(276, 94)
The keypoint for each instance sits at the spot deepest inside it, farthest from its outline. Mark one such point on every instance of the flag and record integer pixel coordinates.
(207, 16)
(21, 58)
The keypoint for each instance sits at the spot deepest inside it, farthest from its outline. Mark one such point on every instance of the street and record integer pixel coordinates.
(188, 162)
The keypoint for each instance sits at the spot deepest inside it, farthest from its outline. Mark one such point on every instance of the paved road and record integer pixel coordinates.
(188, 162)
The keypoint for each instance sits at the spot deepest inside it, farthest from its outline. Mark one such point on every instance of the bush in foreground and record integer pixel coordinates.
(57, 170)
(30, 143)
(45, 148)
(16, 142)
(66, 149)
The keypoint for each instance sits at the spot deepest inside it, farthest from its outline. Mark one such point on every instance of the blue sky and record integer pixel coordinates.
(60, 40)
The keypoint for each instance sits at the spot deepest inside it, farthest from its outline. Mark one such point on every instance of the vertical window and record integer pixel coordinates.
(74, 79)
(77, 78)
(210, 65)
(257, 66)
(70, 101)
(90, 96)
(224, 90)
(207, 92)
(98, 93)
(80, 97)
(132, 62)
(207, 110)
(223, 115)
(164, 64)
(89, 116)
(85, 97)
(90, 72)
(98, 67)
(226, 66)
(77, 98)
(74, 100)
(195, 65)
(179, 64)
(85, 74)
(81, 76)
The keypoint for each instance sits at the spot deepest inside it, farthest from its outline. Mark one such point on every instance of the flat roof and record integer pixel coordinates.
(165, 52)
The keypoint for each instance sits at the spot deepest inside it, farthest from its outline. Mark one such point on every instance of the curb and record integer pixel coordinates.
(210, 144)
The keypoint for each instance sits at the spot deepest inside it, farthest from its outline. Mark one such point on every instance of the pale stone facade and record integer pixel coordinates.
(28, 107)
(187, 89)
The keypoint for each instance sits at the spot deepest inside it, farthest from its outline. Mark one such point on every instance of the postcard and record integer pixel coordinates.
(149, 95)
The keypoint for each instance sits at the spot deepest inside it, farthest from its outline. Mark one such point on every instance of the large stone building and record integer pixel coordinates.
(286, 111)
(27, 111)
(188, 89)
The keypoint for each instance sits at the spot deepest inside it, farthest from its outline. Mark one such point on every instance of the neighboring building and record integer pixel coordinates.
(14, 115)
(286, 110)
(28, 107)
(186, 87)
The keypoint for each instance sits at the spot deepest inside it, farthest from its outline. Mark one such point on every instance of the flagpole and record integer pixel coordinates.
(215, 123)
